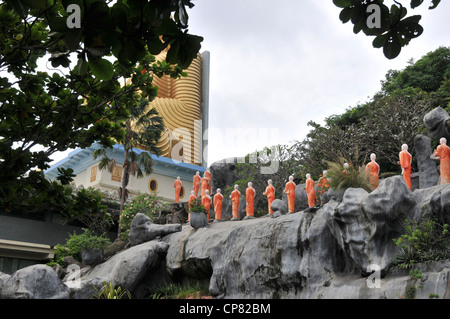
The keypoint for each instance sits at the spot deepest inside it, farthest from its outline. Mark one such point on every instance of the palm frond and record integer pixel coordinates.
(98, 153)
(104, 163)
(146, 161)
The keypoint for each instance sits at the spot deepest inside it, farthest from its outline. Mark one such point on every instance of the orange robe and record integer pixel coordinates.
(443, 151)
(206, 201)
(196, 182)
(372, 170)
(208, 175)
(290, 191)
(270, 193)
(191, 199)
(235, 196)
(311, 192)
(218, 203)
(205, 185)
(177, 186)
(405, 163)
(250, 198)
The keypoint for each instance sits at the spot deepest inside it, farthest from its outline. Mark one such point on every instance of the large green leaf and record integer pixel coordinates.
(393, 46)
(101, 68)
(342, 3)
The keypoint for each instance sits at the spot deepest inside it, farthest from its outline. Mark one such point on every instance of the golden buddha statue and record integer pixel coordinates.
(179, 103)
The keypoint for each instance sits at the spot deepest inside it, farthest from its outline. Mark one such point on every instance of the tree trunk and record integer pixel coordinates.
(125, 179)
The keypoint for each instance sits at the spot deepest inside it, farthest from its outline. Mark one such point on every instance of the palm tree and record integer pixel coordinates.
(143, 129)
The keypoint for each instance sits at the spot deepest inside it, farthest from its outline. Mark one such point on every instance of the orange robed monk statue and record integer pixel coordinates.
(373, 171)
(270, 193)
(208, 176)
(218, 203)
(235, 196)
(192, 197)
(310, 191)
(196, 182)
(405, 162)
(177, 186)
(250, 198)
(443, 153)
(206, 201)
(290, 191)
(205, 184)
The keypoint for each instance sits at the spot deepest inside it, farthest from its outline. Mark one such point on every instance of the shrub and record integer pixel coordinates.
(148, 204)
(196, 206)
(88, 209)
(353, 177)
(109, 291)
(76, 243)
(426, 240)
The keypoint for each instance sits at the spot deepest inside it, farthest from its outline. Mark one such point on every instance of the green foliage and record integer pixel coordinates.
(196, 206)
(148, 204)
(395, 29)
(88, 209)
(427, 74)
(77, 242)
(176, 291)
(110, 291)
(351, 177)
(427, 240)
(76, 105)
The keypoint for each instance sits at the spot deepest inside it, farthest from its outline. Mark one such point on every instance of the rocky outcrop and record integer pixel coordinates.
(341, 250)
(428, 172)
(327, 253)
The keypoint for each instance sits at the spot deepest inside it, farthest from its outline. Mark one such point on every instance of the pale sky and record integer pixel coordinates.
(276, 65)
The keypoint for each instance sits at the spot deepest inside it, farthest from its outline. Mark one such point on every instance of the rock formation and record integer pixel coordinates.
(341, 250)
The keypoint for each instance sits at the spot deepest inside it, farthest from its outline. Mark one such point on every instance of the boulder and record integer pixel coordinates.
(125, 269)
(223, 174)
(437, 122)
(428, 172)
(142, 229)
(366, 224)
(92, 256)
(3, 278)
(34, 282)
(279, 208)
(440, 204)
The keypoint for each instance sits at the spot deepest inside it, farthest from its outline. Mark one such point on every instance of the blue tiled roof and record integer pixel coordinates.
(80, 159)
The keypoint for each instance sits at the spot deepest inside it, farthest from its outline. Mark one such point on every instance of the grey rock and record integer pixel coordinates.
(279, 207)
(365, 224)
(34, 282)
(428, 172)
(440, 204)
(125, 269)
(325, 254)
(142, 229)
(223, 174)
(92, 256)
(3, 278)
(438, 123)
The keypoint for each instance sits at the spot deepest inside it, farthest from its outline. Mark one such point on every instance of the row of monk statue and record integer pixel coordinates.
(442, 153)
